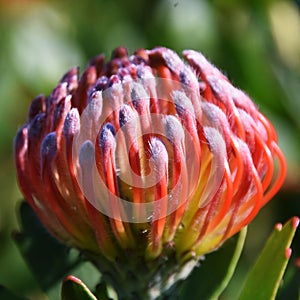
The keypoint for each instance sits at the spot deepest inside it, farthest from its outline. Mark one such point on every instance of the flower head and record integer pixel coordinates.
(147, 156)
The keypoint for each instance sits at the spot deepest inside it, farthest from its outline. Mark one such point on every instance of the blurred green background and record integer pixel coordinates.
(256, 43)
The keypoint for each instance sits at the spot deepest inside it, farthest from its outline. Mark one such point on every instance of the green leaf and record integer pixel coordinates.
(85, 271)
(48, 259)
(262, 282)
(215, 271)
(6, 294)
(74, 289)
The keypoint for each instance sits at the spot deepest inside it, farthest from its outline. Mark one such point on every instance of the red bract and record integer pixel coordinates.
(147, 155)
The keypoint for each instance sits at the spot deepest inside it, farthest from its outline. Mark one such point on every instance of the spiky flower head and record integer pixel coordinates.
(146, 163)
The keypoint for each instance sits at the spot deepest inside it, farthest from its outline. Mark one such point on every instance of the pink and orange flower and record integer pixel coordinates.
(149, 155)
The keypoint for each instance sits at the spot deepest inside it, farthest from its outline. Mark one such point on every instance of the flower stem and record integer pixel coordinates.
(138, 279)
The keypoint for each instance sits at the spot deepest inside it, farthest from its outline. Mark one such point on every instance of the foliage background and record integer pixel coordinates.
(257, 43)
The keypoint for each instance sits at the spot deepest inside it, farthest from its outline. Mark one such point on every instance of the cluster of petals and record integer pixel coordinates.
(145, 151)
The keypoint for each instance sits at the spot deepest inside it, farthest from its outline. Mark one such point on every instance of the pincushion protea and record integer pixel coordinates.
(146, 163)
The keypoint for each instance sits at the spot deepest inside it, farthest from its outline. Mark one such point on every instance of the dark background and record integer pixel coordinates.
(256, 43)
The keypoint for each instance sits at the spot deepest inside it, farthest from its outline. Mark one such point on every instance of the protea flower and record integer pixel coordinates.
(146, 163)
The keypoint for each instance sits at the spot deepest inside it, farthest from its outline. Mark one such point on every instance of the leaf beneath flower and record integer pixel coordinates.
(74, 289)
(263, 280)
